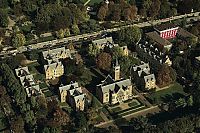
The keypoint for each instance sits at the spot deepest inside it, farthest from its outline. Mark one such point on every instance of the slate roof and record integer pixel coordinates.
(156, 37)
(197, 58)
(27, 81)
(51, 54)
(33, 89)
(185, 33)
(22, 71)
(74, 90)
(53, 66)
(115, 85)
(103, 41)
(143, 71)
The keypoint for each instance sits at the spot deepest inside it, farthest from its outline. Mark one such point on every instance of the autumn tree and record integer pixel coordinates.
(17, 125)
(154, 8)
(130, 13)
(166, 75)
(102, 12)
(103, 61)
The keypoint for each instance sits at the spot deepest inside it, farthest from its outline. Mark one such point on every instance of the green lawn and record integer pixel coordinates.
(134, 103)
(173, 92)
(48, 93)
(43, 85)
(92, 2)
(116, 109)
(99, 119)
(132, 111)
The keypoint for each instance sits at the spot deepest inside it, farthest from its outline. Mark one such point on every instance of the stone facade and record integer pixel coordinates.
(54, 68)
(143, 77)
(73, 95)
(108, 42)
(112, 91)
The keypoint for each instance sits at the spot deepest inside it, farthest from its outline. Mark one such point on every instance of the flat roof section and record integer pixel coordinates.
(165, 26)
(156, 37)
(185, 33)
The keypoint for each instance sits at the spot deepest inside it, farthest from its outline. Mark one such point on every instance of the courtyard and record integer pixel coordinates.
(173, 92)
(122, 109)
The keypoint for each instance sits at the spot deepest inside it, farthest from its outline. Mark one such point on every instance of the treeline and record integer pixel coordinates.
(117, 10)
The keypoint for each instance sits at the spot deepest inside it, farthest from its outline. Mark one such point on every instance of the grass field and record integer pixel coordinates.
(92, 2)
(173, 92)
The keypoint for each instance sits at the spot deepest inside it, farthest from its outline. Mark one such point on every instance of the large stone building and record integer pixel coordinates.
(108, 42)
(27, 81)
(143, 77)
(54, 68)
(73, 95)
(112, 91)
(167, 31)
(56, 54)
(151, 54)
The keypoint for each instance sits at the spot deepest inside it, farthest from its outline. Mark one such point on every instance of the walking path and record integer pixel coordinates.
(151, 110)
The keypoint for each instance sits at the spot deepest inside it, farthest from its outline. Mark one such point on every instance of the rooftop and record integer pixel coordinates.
(198, 58)
(155, 36)
(165, 26)
(185, 33)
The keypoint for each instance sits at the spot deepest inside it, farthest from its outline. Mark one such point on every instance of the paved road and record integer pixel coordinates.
(57, 42)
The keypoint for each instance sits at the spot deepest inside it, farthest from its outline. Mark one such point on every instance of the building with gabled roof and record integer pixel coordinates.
(108, 42)
(153, 55)
(74, 95)
(27, 81)
(54, 70)
(56, 54)
(143, 77)
(167, 31)
(22, 71)
(117, 90)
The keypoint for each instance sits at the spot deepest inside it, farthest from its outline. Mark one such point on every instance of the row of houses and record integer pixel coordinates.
(28, 82)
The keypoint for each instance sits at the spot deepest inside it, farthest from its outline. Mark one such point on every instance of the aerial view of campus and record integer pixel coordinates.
(99, 66)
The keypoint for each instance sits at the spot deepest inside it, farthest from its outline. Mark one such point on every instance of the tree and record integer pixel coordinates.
(3, 3)
(166, 75)
(91, 114)
(103, 61)
(17, 125)
(3, 18)
(190, 101)
(80, 121)
(18, 40)
(78, 59)
(75, 29)
(93, 50)
(116, 52)
(130, 35)
(155, 8)
(60, 34)
(67, 32)
(102, 12)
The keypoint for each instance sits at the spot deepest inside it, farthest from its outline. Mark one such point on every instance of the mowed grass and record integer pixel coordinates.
(92, 2)
(175, 91)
